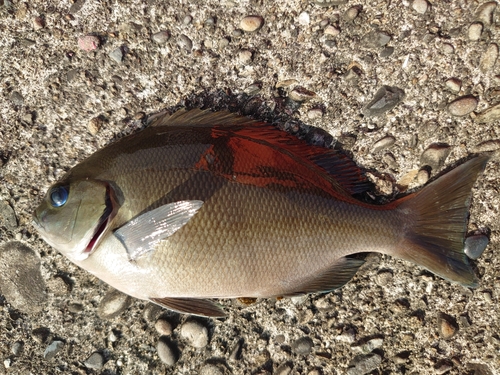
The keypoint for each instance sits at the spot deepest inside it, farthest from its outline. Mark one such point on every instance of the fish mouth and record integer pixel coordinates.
(102, 224)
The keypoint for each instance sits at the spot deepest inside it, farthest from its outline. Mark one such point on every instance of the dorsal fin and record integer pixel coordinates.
(199, 117)
(262, 154)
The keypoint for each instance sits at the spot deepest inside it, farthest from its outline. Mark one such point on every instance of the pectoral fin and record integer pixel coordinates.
(332, 278)
(191, 306)
(141, 234)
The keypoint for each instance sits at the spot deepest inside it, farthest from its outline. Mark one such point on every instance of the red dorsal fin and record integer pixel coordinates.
(257, 153)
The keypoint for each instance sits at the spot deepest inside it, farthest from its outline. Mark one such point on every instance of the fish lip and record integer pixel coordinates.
(103, 223)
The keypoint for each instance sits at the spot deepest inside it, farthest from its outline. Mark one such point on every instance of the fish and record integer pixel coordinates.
(203, 205)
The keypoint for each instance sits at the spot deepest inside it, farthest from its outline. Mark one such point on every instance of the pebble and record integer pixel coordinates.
(447, 326)
(448, 48)
(117, 54)
(390, 160)
(331, 30)
(284, 369)
(489, 58)
(245, 56)
(384, 277)
(75, 307)
(161, 37)
(385, 99)
(184, 42)
(375, 39)
(302, 346)
(7, 216)
(475, 31)
(95, 361)
(486, 146)
(462, 106)
(314, 113)
(187, 20)
(163, 327)
(167, 352)
(210, 369)
(38, 23)
(475, 245)
(364, 364)
(89, 43)
(488, 115)
(484, 13)
(16, 98)
(453, 84)
(383, 143)
(52, 349)
(301, 94)
(304, 19)
(95, 125)
(351, 13)
(113, 304)
(41, 334)
(435, 155)
(422, 176)
(369, 346)
(17, 348)
(420, 6)
(387, 51)
(195, 333)
(21, 281)
(250, 24)
(329, 3)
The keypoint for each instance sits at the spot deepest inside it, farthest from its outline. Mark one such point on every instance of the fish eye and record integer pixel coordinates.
(58, 196)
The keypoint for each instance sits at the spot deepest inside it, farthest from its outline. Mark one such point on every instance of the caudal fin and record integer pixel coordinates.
(439, 214)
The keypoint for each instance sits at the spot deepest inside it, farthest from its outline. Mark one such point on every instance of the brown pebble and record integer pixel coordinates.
(489, 58)
(250, 24)
(94, 125)
(163, 327)
(447, 326)
(301, 94)
(462, 106)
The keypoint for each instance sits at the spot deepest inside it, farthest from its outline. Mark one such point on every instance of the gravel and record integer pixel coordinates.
(53, 86)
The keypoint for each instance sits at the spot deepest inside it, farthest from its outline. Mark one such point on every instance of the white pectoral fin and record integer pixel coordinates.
(141, 234)
(193, 306)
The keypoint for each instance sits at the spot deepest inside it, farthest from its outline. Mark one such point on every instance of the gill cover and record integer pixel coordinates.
(73, 217)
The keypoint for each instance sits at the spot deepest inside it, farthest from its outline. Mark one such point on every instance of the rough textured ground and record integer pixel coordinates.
(60, 103)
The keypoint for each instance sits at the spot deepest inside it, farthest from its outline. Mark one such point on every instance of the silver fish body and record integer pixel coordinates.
(210, 205)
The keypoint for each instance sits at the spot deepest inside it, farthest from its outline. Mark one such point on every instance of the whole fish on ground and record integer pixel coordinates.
(203, 205)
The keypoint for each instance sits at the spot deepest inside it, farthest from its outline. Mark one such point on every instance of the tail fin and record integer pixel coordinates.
(439, 213)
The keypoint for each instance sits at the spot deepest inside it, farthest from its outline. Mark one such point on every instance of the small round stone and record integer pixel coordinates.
(302, 346)
(448, 48)
(89, 43)
(210, 369)
(195, 334)
(163, 327)
(251, 23)
(420, 6)
(489, 58)
(384, 277)
(95, 361)
(304, 19)
(166, 352)
(331, 30)
(475, 31)
(185, 42)
(38, 23)
(383, 143)
(454, 84)
(484, 13)
(422, 176)
(117, 54)
(435, 155)
(245, 56)
(447, 326)
(351, 13)
(475, 245)
(95, 125)
(52, 350)
(113, 304)
(301, 94)
(161, 37)
(462, 106)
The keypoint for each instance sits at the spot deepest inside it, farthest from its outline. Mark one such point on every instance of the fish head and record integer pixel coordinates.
(74, 216)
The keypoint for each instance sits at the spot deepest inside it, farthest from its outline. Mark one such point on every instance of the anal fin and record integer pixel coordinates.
(193, 306)
(333, 278)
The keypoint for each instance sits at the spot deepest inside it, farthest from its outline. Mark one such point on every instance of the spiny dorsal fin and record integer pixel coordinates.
(199, 117)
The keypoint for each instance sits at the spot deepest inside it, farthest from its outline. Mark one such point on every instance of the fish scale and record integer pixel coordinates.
(204, 205)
